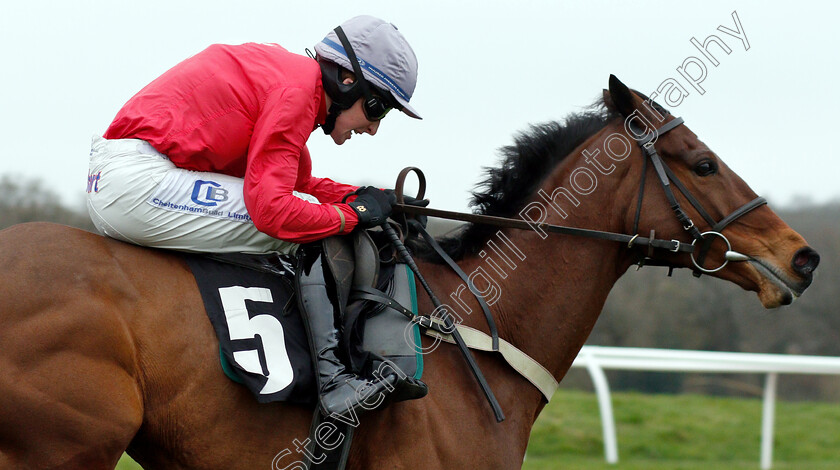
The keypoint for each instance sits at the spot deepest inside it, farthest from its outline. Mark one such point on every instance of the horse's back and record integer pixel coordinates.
(69, 393)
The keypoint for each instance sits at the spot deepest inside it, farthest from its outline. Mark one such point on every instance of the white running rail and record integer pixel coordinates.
(596, 359)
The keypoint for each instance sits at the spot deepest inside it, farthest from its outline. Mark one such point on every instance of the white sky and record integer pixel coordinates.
(487, 70)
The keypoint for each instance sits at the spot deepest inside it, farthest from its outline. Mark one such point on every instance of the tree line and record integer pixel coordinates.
(28, 200)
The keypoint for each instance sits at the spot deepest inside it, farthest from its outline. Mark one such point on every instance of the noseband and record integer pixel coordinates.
(703, 240)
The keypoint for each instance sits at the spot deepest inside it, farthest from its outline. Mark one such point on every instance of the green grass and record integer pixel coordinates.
(682, 432)
(126, 463)
(677, 432)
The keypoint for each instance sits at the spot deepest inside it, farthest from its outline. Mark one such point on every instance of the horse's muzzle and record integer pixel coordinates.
(804, 262)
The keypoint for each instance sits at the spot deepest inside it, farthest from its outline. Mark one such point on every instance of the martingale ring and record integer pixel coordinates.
(725, 261)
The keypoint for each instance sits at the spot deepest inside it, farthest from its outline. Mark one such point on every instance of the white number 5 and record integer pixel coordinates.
(241, 326)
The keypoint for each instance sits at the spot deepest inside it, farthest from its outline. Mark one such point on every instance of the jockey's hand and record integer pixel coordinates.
(373, 206)
(410, 201)
(413, 201)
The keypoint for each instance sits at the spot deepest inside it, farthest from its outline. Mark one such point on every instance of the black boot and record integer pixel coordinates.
(339, 390)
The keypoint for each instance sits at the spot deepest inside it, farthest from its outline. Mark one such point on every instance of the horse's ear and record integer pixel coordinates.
(621, 96)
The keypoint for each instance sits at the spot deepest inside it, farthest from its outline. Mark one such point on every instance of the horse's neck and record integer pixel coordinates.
(549, 303)
(547, 293)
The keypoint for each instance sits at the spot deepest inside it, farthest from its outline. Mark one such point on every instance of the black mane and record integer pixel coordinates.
(506, 188)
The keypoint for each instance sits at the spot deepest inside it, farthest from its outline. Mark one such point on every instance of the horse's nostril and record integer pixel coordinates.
(805, 261)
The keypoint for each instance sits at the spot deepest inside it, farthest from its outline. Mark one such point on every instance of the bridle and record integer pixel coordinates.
(666, 177)
(698, 249)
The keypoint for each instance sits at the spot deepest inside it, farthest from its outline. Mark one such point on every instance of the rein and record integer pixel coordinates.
(666, 177)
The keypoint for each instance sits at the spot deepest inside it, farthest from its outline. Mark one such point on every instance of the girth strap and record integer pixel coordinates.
(527, 367)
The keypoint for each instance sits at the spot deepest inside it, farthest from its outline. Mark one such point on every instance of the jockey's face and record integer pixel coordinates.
(352, 121)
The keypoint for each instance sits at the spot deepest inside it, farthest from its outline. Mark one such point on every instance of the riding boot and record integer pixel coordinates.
(339, 390)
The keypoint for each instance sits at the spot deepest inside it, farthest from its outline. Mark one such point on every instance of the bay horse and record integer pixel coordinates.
(105, 346)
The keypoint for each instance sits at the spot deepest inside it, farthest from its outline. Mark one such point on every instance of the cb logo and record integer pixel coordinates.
(208, 193)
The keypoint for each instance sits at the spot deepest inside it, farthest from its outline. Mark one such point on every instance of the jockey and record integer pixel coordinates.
(211, 157)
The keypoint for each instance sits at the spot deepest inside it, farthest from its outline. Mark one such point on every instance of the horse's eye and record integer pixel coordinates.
(705, 168)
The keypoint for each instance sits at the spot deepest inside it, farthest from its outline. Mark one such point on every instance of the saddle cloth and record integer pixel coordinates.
(263, 344)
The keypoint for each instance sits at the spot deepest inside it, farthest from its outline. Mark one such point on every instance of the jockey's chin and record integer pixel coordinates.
(351, 121)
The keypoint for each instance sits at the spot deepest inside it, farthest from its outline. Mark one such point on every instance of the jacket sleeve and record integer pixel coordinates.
(325, 189)
(276, 151)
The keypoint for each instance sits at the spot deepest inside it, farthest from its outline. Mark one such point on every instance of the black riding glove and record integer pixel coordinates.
(409, 201)
(413, 201)
(373, 206)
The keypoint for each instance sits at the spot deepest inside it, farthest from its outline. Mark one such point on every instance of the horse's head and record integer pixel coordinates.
(730, 222)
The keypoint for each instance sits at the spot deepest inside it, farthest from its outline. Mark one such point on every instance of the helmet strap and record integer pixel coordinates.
(354, 62)
(332, 115)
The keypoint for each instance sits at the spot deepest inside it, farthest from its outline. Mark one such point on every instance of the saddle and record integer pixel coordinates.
(376, 303)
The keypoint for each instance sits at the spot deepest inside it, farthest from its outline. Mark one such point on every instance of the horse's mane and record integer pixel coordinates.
(505, 189)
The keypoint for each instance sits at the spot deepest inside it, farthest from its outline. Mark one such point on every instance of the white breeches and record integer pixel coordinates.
(135, 194)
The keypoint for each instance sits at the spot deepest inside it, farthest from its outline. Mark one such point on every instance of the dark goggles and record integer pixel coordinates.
(376, 107)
